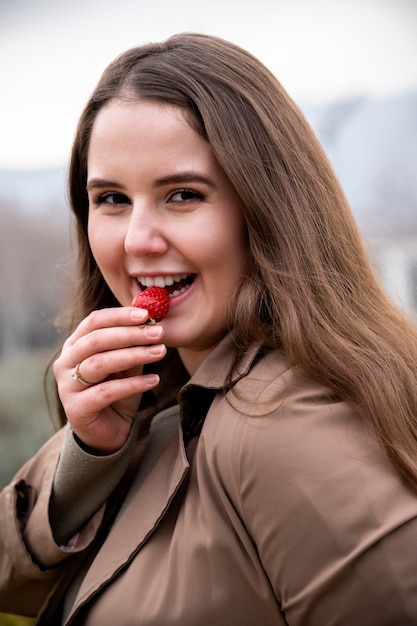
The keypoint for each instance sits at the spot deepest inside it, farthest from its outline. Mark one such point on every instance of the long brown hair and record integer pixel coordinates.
(309, 288)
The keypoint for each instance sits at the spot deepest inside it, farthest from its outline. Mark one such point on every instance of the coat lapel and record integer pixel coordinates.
(138, 521)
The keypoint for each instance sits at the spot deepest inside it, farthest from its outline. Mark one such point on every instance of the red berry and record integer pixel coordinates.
(155, 300)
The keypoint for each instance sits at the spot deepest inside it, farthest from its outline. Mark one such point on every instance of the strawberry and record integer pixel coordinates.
(155, 300)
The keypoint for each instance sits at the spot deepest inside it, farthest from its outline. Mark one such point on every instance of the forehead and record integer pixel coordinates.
(143, 124)
(151, 137)
(144, 116)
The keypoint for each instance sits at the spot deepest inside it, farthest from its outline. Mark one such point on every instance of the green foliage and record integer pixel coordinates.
(24, 420)
(15, 620)
(24, 424)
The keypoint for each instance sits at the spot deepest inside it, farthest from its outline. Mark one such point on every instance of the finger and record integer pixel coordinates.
(121, 362)
(101, 416)
(114, 338)
(107, 318)
(83, 409)
(105, 341)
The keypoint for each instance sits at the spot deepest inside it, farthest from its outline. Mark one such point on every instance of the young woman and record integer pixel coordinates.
(252, 458)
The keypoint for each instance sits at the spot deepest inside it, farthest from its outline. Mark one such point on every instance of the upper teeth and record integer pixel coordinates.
(161, 281)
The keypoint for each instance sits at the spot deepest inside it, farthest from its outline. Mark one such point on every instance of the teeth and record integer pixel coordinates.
(162, 281)
(178, 291)
(159, 281)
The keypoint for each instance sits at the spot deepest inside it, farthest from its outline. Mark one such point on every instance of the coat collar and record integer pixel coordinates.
(212, 374)
(214, 370)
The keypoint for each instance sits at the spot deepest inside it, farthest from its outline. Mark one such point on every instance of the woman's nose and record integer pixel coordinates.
(144, 236)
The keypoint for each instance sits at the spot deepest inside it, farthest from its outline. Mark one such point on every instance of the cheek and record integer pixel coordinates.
(103, 243)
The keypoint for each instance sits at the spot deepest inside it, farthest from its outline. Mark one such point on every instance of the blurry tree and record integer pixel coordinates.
(25, 422)
(34, 275)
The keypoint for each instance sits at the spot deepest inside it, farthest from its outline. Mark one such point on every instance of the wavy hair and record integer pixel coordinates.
(309, 288)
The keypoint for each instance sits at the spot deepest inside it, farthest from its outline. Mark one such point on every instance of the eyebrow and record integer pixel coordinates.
(185, 177)
(100, 183)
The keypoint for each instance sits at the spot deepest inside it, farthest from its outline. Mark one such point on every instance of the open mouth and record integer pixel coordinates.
(174, 284)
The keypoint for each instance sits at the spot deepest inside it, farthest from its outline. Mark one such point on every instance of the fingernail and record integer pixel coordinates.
(151, 380)
(152, 331)
(156, 350)
(138, 315)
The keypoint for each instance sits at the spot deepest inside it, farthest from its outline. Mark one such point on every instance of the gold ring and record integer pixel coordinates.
(75, 375)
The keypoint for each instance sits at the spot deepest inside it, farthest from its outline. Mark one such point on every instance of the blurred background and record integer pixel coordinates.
(351, 65)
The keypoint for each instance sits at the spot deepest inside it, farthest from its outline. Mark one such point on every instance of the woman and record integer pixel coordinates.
(251, 459)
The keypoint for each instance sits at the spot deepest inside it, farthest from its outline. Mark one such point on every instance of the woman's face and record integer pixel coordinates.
(161, 211)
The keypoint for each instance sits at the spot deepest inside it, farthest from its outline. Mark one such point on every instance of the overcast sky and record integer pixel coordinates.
(52, 53)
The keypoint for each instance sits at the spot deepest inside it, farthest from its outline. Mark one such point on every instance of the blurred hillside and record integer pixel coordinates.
(372, 144)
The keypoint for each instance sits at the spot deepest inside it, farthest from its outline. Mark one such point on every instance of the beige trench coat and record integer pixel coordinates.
(287, 514)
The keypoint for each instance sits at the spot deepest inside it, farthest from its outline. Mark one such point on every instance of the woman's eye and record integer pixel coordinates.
(185, 195)
(113, 198)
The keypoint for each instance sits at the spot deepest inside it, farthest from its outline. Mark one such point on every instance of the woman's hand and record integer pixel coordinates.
(110, 347)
